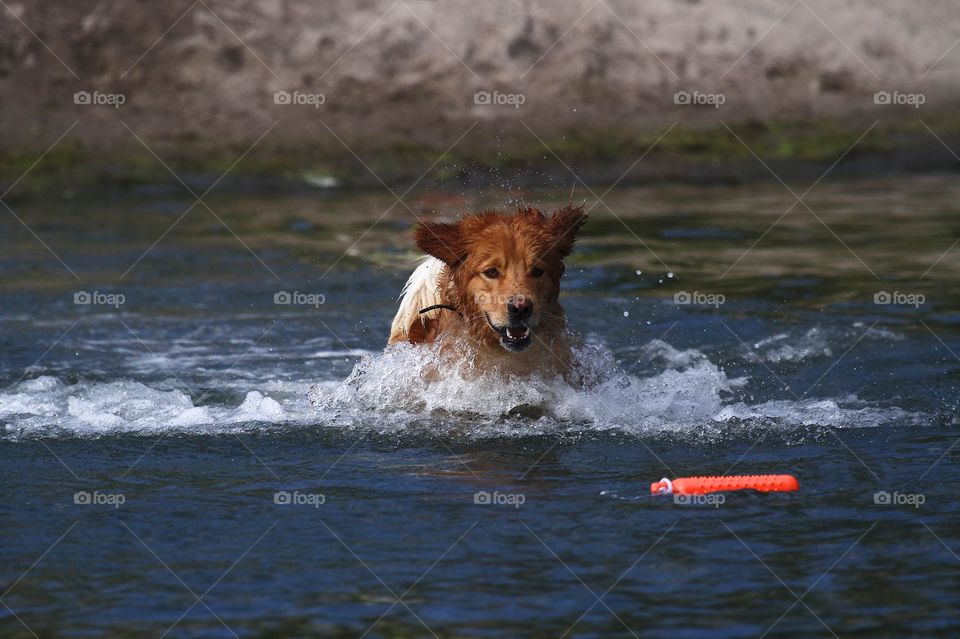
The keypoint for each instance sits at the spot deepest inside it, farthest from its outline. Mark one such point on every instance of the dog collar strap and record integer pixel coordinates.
(436, 306)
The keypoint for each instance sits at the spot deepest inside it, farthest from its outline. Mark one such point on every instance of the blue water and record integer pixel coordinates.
(188, 411)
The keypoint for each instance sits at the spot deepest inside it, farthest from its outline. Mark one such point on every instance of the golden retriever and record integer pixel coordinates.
(492, 281)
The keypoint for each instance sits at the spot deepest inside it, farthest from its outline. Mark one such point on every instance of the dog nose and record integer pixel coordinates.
(519, 307)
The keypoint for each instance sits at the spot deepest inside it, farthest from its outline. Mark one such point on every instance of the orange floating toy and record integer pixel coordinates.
(704, 485)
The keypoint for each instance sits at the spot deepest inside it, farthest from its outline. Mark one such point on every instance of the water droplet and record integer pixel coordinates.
(626, 313)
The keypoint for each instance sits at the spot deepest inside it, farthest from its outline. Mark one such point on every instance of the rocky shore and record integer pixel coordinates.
(345, 92)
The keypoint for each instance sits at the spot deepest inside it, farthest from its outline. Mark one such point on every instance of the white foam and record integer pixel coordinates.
(815, 343)
(782, 347)
(411, 388)
(257, 407)
(47, 406)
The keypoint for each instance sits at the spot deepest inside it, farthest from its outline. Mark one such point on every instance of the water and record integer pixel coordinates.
(185, 412)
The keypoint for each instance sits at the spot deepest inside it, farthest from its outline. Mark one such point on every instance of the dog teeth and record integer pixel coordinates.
(517, 334)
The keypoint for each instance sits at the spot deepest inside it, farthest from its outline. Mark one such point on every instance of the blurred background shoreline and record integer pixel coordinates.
(274, 94)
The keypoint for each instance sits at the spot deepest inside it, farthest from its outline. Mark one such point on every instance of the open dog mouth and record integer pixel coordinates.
(514, 337)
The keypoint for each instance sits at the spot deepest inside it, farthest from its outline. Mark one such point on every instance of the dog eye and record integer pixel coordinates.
(536, 272)
(491, 273)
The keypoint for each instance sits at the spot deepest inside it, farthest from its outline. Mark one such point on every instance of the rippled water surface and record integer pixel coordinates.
(184, 403)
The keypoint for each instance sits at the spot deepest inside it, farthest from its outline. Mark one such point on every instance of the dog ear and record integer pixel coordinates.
(564, 225)
(442, 241)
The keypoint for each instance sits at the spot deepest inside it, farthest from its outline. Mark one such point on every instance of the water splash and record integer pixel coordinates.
(412, 389)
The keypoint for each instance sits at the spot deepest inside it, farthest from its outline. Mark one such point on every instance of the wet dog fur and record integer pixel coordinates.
(497, 276)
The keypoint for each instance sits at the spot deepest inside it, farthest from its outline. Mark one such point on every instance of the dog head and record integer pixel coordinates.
(506, 270)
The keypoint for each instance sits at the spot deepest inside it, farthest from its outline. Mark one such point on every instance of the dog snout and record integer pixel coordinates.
(519, 307)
